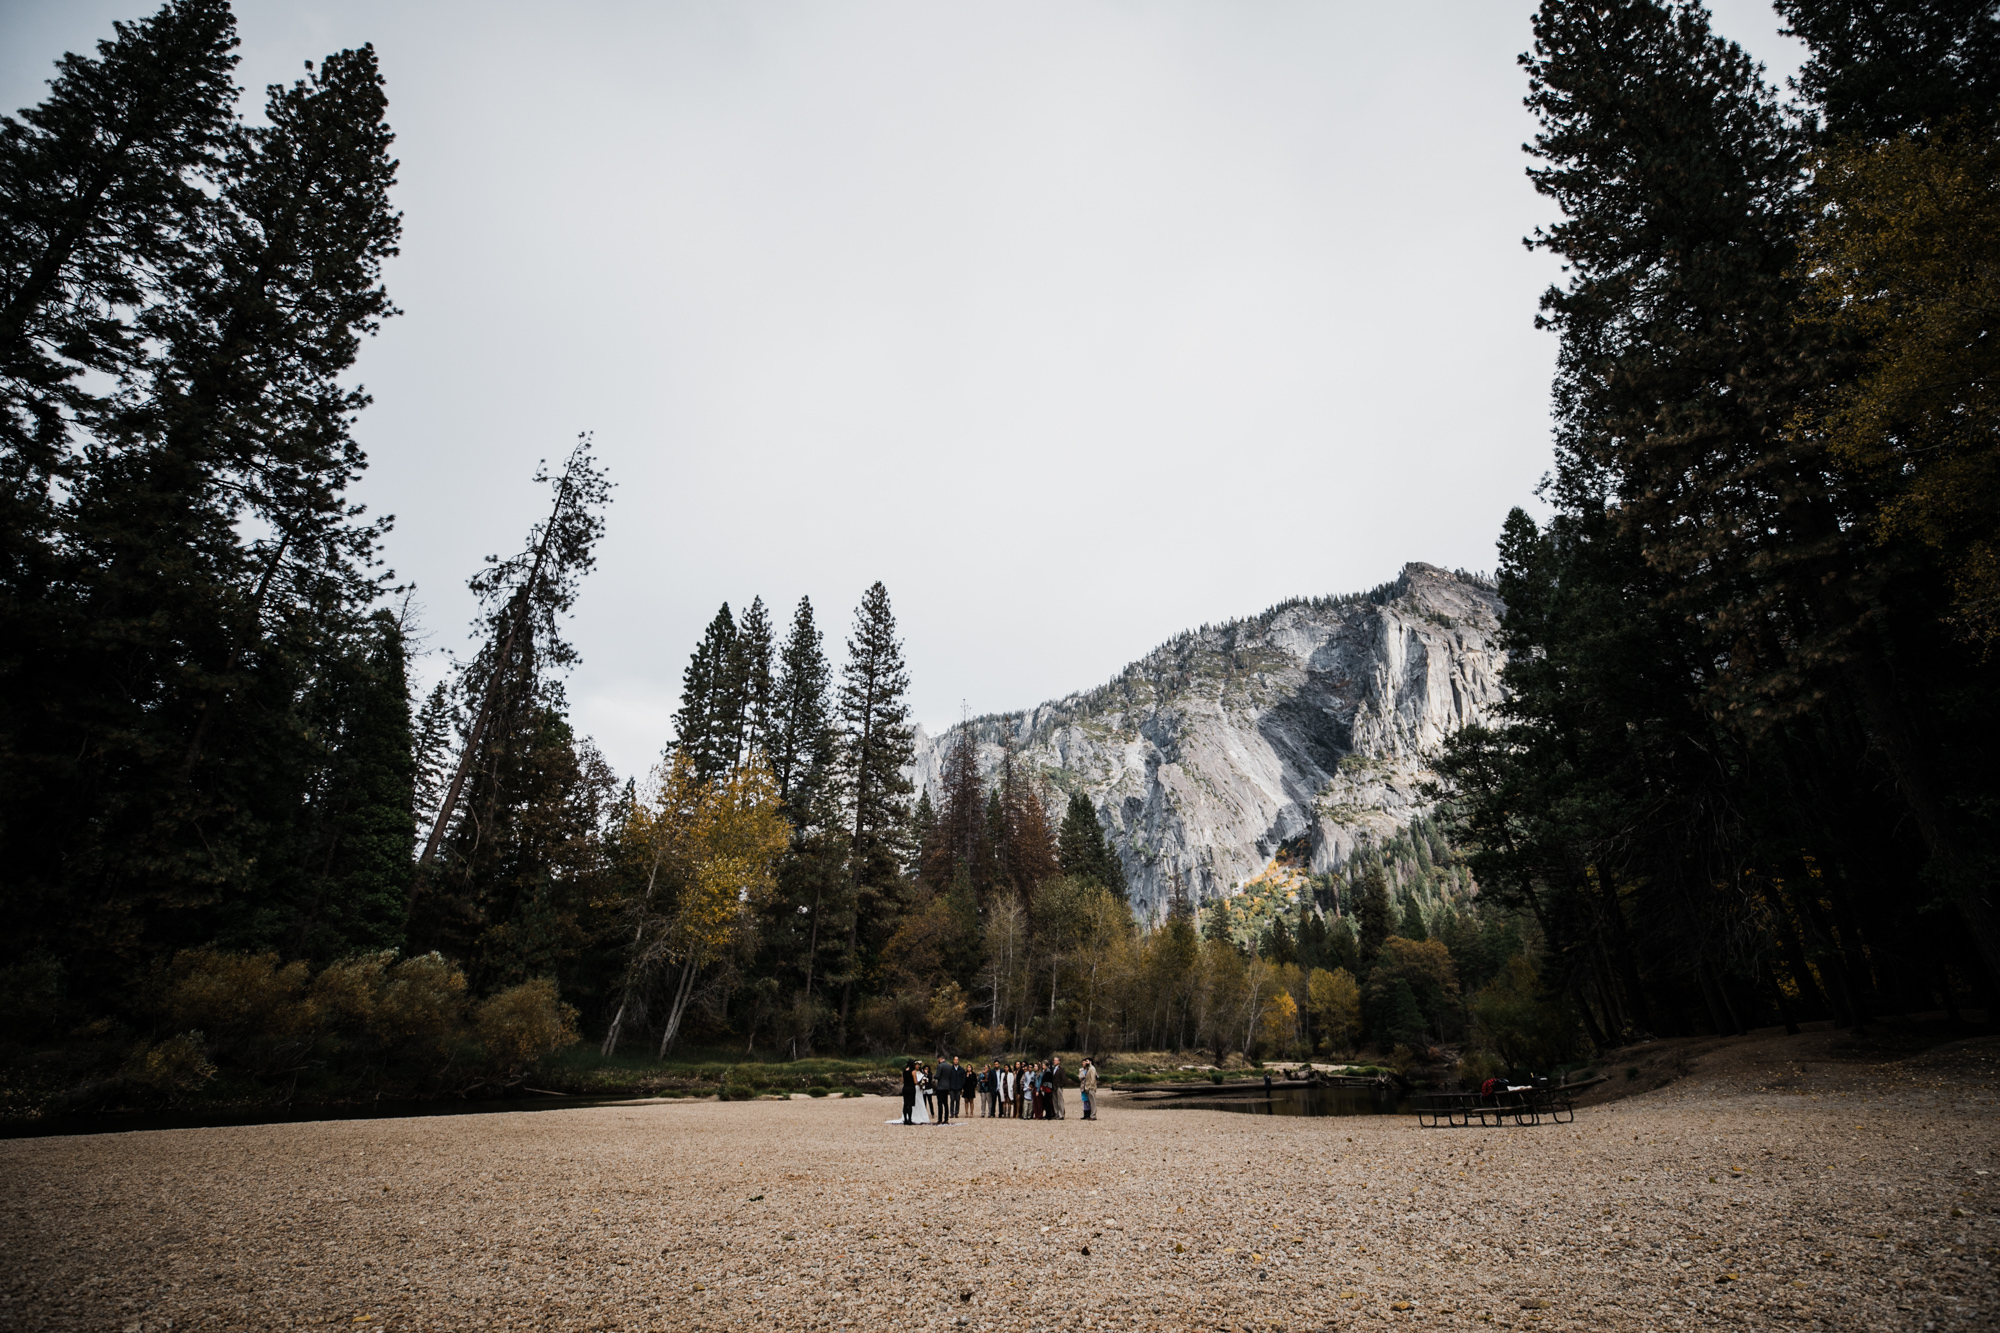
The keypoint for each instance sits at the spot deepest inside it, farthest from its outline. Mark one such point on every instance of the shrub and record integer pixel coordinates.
(1515, 1020)
(523, 1025)
(178, 1064)
(420, 1006)
(816, 1091)
(1476, 1067)
(248, 1006)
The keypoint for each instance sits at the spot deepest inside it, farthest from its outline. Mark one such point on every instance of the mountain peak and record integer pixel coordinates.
(1303, 725)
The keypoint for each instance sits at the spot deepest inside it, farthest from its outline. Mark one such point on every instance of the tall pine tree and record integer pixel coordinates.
(876, 745)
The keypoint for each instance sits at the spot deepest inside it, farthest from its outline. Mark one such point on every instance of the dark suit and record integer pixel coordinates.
(909, 1093)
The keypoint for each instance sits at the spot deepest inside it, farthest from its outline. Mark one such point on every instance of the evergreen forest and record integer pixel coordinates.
(1740, 778)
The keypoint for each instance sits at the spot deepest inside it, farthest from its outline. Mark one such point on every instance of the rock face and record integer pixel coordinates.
(1304, 728)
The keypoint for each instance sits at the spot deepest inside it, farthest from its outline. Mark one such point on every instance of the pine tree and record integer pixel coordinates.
(923, 832)
(876, 746)
(102, 192)
(1412, 927)
(708, 729)
(359, 897)
(1371, 911)
(960, 846)
(1025, 851)
(804, 744)
(435, 754)
(1083, 849)
(184, 591)
(754, 652)
(1877, 70)
(507, 824)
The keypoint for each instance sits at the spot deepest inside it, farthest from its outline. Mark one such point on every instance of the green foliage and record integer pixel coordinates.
(1514, 1019)
(1084, 851)
(174, 1067)
(405, 1023)
(185, 588)
(1739, 774)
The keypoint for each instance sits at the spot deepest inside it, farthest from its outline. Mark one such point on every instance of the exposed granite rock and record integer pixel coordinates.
(1305, 726)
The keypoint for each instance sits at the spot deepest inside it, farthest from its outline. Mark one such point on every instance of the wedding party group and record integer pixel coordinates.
(1023, 1090)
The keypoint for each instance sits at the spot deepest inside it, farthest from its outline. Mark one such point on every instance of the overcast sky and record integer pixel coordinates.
(1077, 324)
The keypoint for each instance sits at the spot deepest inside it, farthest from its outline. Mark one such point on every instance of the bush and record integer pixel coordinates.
(371, 1011)
(524, 1025)
(420, 1005)
(1516, 1021)
(816, 1091)
(177, 1065)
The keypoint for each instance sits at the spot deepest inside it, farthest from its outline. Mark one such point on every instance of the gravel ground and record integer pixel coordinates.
(1748, 1198)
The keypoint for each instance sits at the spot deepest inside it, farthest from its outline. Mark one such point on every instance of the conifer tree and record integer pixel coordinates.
(754, 651)
(1084, 851)
(433, 746)
(708, 729)
(959, 846)
(804, 744)
(1026, 848)
(195, 582)
(356, 894)
(1880, 69)
(876, 745)
(1371, 911)
(102, 196)
(923, 832)
(523, 599)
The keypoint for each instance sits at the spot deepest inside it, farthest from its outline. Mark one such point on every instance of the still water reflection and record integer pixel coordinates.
(1303, 1101)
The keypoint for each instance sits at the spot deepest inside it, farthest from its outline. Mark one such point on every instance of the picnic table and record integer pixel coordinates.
(1527, 1104)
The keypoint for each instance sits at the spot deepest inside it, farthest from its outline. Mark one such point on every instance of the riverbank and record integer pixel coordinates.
(1705, 1203)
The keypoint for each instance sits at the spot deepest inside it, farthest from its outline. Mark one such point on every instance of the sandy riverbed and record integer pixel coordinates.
(1765, 1201)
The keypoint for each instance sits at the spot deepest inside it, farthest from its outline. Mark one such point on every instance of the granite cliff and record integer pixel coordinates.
(1301, 729)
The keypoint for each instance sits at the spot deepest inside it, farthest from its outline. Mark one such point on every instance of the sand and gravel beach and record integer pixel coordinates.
(1772, 1192)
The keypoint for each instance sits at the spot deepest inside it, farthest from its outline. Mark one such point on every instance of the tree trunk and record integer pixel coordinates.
(611, 1033)
(680, 1007)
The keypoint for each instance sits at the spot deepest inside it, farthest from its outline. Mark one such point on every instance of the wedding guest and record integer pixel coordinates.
(1086, 1082)
(909, 1090)
(1056, 1107)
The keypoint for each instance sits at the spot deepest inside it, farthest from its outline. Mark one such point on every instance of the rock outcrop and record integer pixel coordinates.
(1304, 729)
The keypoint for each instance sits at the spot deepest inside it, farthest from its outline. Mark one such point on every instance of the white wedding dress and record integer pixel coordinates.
(919, 1113)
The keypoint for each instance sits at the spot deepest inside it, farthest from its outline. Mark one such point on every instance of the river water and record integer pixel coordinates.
(1300, 1101)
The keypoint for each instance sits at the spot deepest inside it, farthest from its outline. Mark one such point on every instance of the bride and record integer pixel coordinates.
(920, 1114)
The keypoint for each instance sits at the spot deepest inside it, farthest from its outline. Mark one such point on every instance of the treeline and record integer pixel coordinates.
(1743, 773)
(760, 905)
(204, 729)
